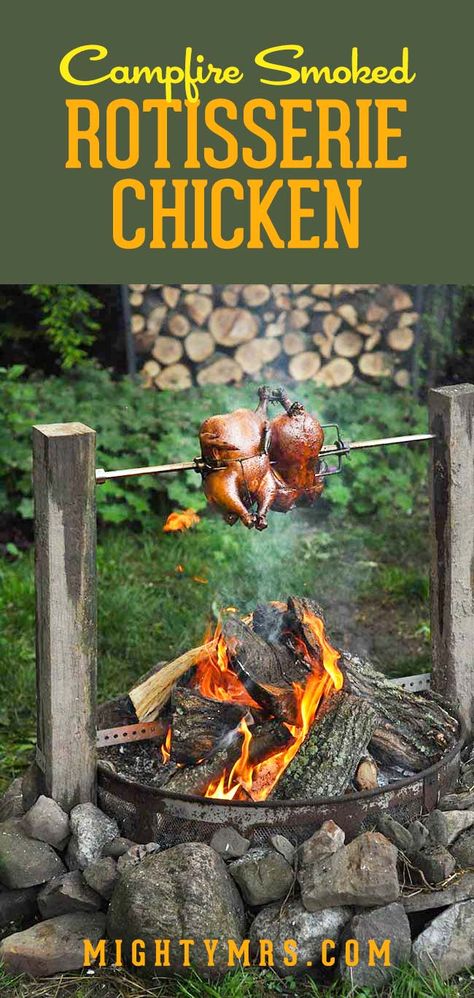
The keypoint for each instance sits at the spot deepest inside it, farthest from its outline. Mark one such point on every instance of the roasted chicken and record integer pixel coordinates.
(250, 461)
(296, 438)
(236, 445)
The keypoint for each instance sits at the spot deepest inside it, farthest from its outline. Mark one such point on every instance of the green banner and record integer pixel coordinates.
(237, 141)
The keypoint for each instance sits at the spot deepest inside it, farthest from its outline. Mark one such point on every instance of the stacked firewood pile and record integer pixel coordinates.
(218, 334)
(266, 707)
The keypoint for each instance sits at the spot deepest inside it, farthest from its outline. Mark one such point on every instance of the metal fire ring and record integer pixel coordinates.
(147, 813)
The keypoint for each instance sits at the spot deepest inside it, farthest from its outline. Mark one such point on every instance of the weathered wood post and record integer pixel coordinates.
(66, 630)
(452, 546)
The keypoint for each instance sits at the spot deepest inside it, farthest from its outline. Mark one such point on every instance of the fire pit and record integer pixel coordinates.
(268, 728)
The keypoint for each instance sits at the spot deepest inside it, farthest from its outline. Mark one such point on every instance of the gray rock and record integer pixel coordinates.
(283, 845)
(184, 892)
(31, 785)
(11, 804)
(15, 906)
(378, 925)
(27, 862)
(463, 849)
(92, 830)
(263, 875)
(118, 847)
(327, 840)
(445, 826)
(461, 890)
(228, 842)
(101, 876)
(435, 862)
(47, 821)
(396, 833)
(65, 894)
(419, 834)
(448, 941)
(52, 947)
(462, 801)
(308, 928)
(135, 855)
(363, 873)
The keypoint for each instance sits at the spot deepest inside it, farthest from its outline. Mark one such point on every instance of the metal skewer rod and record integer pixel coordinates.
(102, 476)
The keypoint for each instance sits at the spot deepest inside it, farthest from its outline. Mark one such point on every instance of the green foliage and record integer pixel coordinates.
(66, 320)
(137, 427)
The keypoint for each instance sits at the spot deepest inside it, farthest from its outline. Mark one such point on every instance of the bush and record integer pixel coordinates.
(137, 427)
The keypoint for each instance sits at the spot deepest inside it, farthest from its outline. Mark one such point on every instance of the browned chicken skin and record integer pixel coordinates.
(270, 465)
(236, 442)
(296, 438)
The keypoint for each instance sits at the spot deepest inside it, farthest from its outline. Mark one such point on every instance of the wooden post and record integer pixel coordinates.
(66, 629)
(452, 546)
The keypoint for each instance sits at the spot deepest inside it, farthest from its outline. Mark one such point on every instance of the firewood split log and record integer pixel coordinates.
(328, 759)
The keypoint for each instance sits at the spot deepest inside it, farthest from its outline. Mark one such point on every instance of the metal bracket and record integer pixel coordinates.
(129, 733)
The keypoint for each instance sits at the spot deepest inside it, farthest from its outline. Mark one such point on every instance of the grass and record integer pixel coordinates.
(406, 983)
(158, 591)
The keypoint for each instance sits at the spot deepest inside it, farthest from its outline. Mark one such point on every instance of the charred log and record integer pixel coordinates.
(412, 730)
(328, 759)
(267, 739)
(270, 622)
(199, 724)
(196, 779)
(257, 665)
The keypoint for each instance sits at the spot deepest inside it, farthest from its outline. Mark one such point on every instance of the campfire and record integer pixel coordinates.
(267, 708)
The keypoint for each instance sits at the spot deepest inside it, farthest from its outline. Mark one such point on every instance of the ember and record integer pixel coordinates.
(181, 519)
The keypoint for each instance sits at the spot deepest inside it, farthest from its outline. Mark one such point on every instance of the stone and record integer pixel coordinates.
(308, 928)
(327, 840)
(445, 826)
(47, 821)
(363, 873)
(447, 943)
(419, 834)
(91, 831)
(52, 947)
(17, 905)
(101, 876)
(462, 801)
(396, 833)
(461, 890)
(135, 855)
(463, 850)
(117, 847)
(389, 922)
(435, 863)
(65, 894)
(184, 892)
(262, 875)
(11, 804)
(228, 842)
(27, 862)
(31, 785)
(283, 845)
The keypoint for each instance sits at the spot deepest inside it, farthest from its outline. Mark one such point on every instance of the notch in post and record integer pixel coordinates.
(66, 627)
(452, 546)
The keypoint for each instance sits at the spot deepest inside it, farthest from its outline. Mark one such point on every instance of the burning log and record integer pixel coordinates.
(258, 666)
(199, 724)
(270, 622)
(412, 728)
(266, 739)
(329, 757)
(198, 779)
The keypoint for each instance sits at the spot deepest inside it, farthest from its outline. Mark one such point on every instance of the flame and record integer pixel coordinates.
(181, 519)
(215, 679)
(166, 746)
